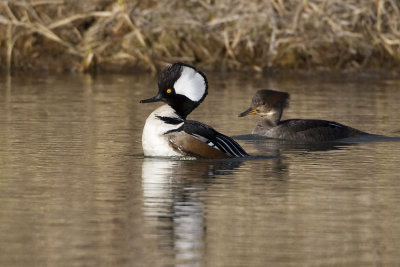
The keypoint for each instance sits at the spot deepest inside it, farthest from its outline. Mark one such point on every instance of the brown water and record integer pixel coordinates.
(75, 189)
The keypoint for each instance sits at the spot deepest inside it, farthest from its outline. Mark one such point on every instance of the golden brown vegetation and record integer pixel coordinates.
(220, 35)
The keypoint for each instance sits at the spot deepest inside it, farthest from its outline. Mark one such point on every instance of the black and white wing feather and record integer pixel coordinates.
(211, 137)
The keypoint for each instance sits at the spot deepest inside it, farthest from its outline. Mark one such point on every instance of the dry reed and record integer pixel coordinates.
(215, 35)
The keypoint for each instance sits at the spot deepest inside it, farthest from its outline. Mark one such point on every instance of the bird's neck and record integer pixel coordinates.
(272, 118)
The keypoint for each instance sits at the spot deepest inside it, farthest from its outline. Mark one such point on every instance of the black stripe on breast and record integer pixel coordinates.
(170, 120)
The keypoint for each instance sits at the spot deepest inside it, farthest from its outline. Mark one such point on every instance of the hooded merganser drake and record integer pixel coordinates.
(269, 104)
(167, 133)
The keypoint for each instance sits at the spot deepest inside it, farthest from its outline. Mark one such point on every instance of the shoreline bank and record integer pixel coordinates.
(120, 36)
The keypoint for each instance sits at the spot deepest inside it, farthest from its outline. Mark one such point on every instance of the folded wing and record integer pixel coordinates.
(201, 140)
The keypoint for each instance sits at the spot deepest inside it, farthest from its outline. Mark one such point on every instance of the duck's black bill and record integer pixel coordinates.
(250, 110)
(156, 98)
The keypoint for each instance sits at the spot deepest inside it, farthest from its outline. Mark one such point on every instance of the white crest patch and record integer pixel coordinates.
(191, 84)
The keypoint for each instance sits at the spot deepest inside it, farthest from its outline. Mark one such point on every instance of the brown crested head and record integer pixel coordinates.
(266, 100)
(270, 99)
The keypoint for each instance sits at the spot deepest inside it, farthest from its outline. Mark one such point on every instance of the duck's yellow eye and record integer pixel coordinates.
(169, 91)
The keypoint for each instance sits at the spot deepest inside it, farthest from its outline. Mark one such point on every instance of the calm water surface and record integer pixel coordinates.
(75, 189)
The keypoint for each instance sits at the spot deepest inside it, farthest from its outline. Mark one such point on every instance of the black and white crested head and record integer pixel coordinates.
(182, 87)
(185, 80)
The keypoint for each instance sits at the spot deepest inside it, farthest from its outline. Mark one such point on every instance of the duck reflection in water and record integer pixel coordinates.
(173, 205)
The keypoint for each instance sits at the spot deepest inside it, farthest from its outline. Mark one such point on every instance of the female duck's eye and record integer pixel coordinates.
(169, 91)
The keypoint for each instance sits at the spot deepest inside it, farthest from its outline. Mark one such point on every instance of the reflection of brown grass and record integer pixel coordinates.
(228, 34)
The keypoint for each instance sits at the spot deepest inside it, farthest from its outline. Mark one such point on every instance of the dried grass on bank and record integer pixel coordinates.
(219, 35)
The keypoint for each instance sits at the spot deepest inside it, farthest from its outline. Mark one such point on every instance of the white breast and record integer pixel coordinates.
(154, 142)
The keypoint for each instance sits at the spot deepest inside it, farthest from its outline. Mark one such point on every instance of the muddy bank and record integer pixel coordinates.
(259, 36)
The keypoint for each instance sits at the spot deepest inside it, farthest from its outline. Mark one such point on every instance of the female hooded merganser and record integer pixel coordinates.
(167, 133)
(269, 104)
